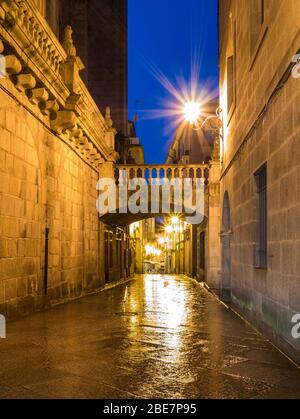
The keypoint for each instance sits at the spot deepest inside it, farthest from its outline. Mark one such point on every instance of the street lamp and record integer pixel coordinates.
(192, 115)
(161, 241)
(192, 111)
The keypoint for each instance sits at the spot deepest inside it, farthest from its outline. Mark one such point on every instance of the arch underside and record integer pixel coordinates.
(124, 220)
(123, 217)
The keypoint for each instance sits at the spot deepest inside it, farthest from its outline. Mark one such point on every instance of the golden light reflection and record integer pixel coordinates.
(172, 311)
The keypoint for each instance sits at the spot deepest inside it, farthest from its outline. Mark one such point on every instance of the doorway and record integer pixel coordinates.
(226, 250)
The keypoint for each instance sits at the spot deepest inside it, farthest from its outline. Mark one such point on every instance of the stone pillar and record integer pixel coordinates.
(73, 65)
(213, 237)
(106, 170)
(111, 131)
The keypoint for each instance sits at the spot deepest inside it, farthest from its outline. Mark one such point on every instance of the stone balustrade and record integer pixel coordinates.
(150, 172)
(46, 73)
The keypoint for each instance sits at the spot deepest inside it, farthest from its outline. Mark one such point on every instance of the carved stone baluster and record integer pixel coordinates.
(48, 52)
(162, 174)
(86, 149)
(76, 134)
(52, 58)
(44, 42)
(37, 34)
(2, 16)
(31, 26)
(41, 40)
(93, 152)
(13, 11)
(150, 175)
(45, 45)
(26, 20)
(98, 160)
(22, 13)
(81, 142)
(56, 63)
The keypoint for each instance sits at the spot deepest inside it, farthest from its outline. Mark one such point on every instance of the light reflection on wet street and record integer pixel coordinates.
(154, 337)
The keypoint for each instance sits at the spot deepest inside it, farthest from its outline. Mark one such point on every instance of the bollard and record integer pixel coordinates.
(2, 327)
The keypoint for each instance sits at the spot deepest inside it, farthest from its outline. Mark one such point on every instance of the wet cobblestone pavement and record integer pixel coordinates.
(154, 337)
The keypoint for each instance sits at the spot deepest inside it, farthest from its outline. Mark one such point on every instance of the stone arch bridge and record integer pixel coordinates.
(155, 175)
(159, 178)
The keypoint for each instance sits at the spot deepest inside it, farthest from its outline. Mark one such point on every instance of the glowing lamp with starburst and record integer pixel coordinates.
(192, 111)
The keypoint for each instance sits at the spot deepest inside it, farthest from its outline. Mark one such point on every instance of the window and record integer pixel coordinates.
(109, 248)
(231, 69)
(230, 83)
(202, 251)
(258, 15)
(262, 240)
(262, 11)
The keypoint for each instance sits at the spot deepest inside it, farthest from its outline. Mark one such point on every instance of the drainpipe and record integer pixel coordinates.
(46, 261)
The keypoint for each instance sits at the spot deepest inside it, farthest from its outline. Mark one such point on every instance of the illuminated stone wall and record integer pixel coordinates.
(43, 185)
(53, 143)
(262, 48)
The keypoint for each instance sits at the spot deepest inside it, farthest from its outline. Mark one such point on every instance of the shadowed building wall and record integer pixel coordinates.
(100, 34)
(261, 163)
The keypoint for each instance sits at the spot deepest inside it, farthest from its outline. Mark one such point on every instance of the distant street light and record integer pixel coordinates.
(169, 229)
(175, 220)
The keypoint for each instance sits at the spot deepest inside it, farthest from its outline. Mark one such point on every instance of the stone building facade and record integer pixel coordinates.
(54, 145)
(199, 254)
(260, 99)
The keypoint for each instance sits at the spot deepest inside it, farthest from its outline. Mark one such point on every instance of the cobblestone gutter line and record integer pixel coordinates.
(93, 292)
(212, 292)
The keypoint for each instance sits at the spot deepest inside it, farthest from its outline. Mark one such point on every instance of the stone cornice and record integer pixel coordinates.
(42, 70)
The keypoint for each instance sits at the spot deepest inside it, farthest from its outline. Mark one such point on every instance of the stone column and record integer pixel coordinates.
(213, 238)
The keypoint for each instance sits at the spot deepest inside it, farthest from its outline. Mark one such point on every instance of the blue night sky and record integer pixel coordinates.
(166, 33)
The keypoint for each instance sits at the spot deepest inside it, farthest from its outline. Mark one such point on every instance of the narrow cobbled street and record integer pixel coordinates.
(154, 337)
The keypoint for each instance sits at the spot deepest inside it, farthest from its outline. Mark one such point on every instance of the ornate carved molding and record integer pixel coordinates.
(36, 96)
(12, 65)
(49, 75)
(49, 108)
(25, 82)
(65, 120)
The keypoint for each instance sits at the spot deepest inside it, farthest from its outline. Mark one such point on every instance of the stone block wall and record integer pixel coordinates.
(44, 184)
(269, 297)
